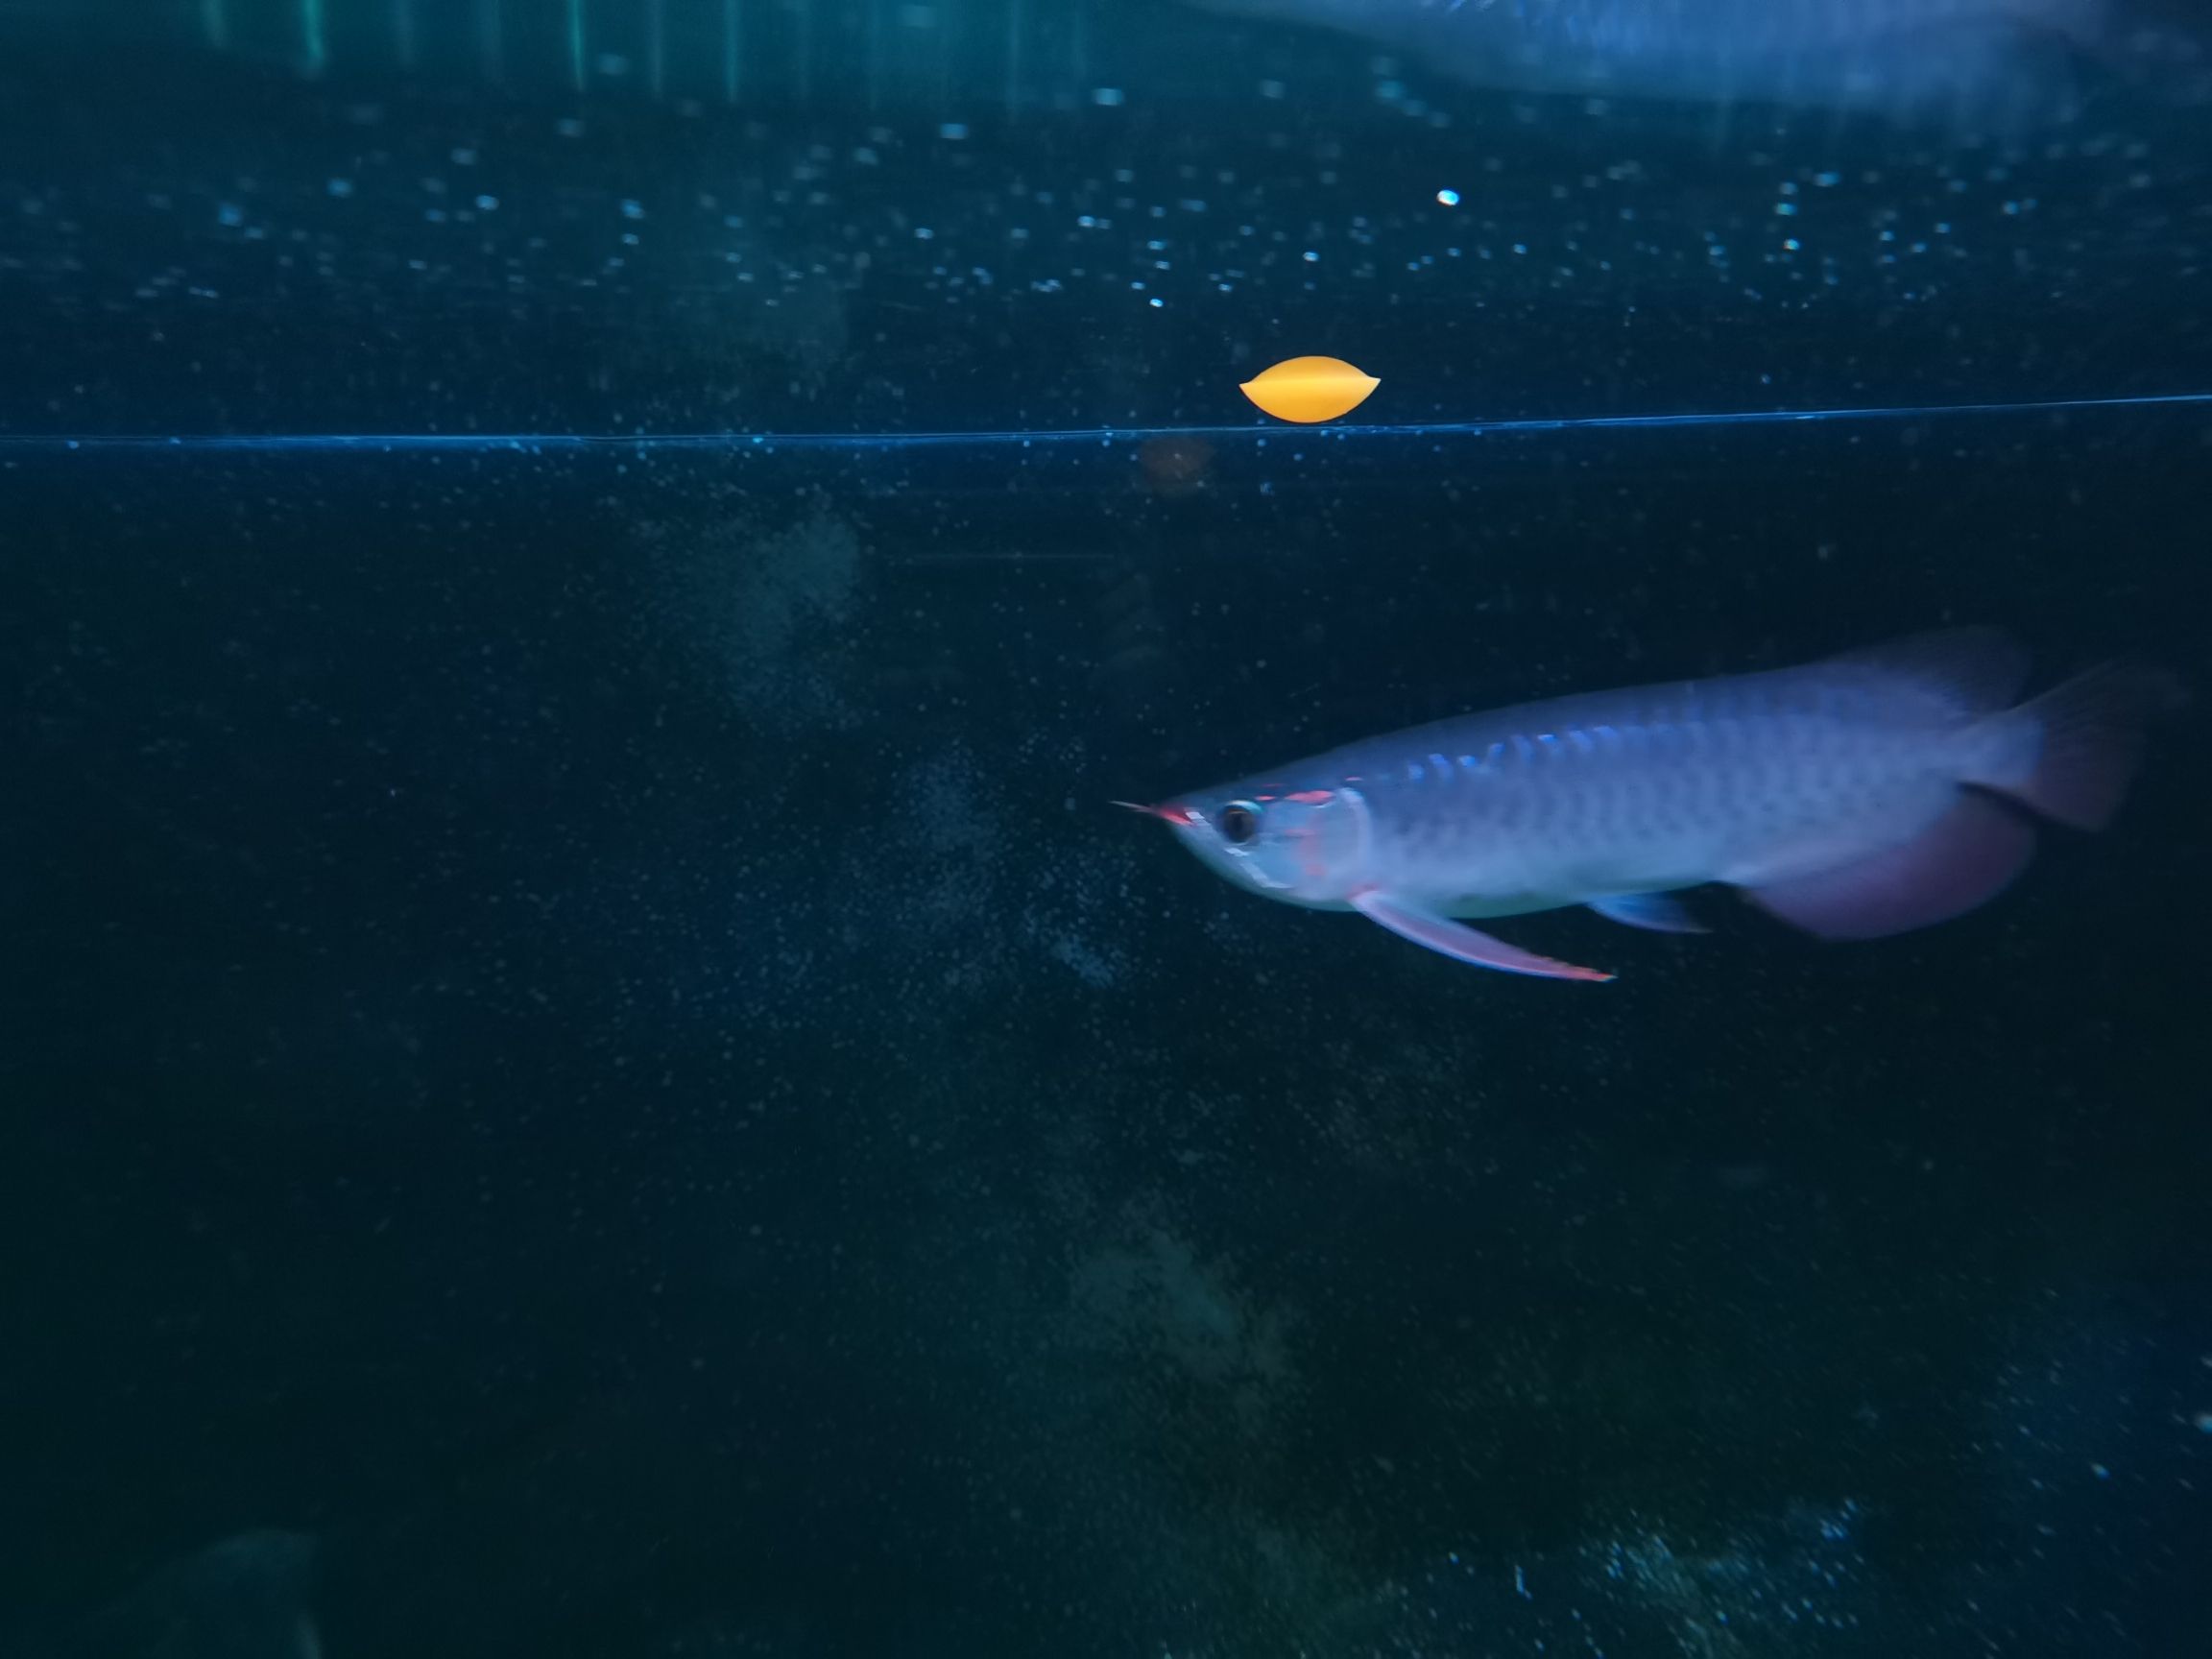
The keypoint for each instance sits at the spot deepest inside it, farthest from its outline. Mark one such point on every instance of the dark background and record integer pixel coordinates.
(588, 1073)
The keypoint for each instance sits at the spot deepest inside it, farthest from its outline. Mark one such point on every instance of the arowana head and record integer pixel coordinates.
(1303, 846)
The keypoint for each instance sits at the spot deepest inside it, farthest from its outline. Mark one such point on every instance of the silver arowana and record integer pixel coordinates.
(1857, 797)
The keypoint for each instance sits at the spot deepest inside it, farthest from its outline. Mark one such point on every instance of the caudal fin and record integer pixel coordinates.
(2093, 738)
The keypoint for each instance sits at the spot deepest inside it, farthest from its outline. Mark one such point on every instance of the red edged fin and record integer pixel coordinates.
(1462, 943)
(1967, 858)
(2093, 741)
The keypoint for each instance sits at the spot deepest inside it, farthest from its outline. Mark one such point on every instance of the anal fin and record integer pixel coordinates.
(1964, 859)
(1460, 942)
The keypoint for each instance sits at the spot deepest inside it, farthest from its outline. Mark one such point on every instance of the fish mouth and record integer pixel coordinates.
(1167, 812)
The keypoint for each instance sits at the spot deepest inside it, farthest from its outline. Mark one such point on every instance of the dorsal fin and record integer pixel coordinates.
(1981, 670)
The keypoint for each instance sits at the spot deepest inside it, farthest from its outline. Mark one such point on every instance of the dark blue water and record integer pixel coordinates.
(589, 1071)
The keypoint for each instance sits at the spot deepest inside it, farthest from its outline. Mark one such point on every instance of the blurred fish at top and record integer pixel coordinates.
(2001, 65)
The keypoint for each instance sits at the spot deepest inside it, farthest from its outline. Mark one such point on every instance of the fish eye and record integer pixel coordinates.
(1239, 822)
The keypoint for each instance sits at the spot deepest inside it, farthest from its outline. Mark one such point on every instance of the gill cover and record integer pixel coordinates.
(1308, 845)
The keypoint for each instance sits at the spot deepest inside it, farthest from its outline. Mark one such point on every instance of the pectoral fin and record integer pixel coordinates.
(1653, 910)
(1460, 942)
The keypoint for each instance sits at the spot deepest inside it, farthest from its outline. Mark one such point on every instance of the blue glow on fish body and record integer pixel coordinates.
(1858, 797)
(1998, 64)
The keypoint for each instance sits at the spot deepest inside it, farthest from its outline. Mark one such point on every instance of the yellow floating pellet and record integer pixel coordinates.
(1310, 389)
